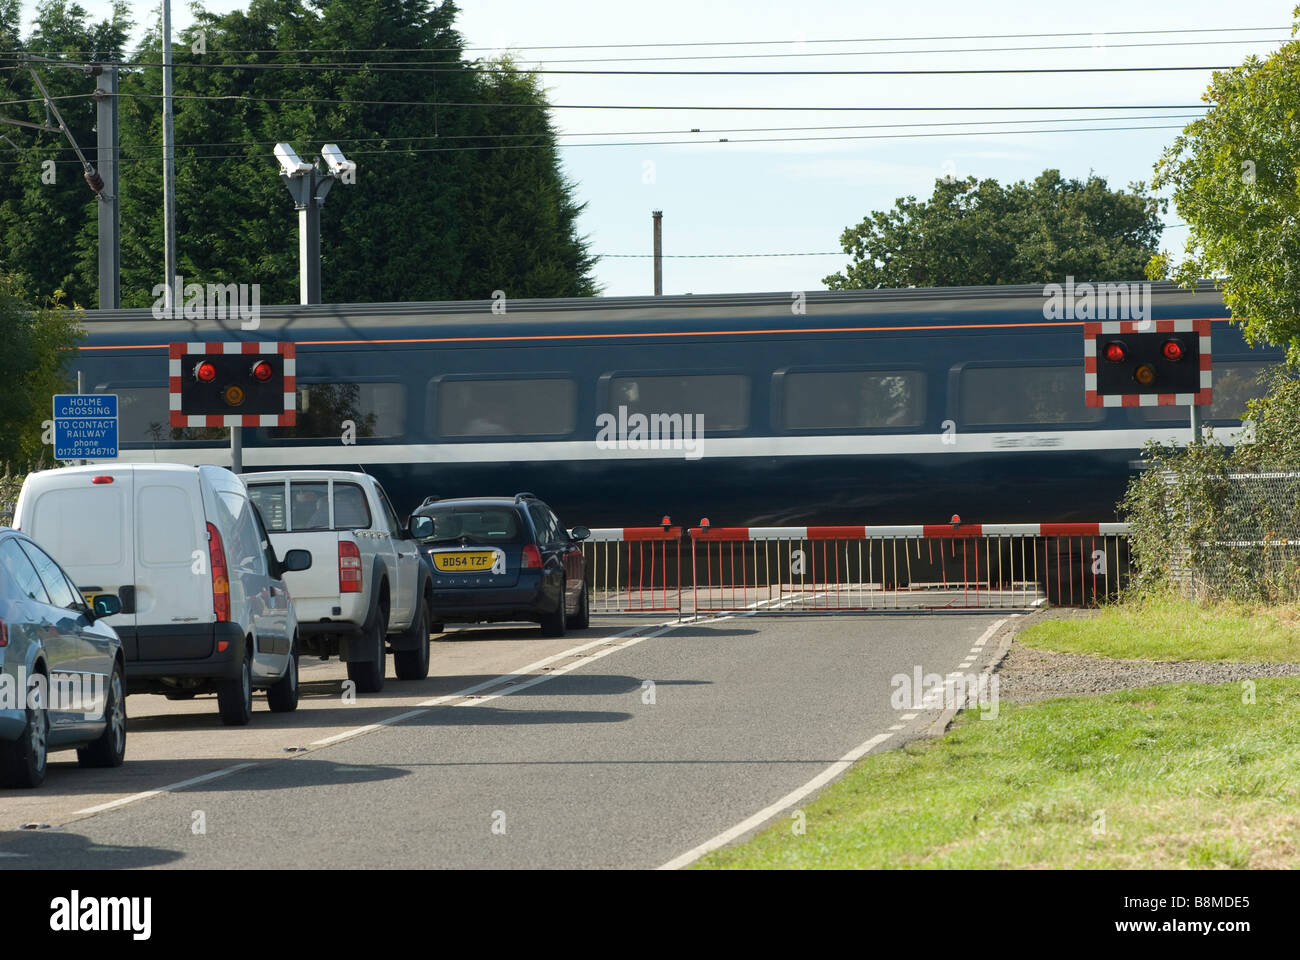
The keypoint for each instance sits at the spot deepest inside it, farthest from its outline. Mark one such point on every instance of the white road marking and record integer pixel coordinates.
(791, 798)
(122, 801)
(511, 678)
(908, 716)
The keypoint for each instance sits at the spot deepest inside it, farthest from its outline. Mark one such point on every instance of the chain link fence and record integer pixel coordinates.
(1237, 536)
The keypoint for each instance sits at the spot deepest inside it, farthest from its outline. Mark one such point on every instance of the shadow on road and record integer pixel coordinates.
(58, 849)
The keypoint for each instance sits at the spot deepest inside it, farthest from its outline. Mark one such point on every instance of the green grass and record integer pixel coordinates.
(1166, 628)
(1186, 775)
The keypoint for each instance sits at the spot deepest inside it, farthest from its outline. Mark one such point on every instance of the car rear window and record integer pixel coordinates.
(478, 524)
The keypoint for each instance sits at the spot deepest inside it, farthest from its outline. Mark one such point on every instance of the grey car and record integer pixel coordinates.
(61, 667)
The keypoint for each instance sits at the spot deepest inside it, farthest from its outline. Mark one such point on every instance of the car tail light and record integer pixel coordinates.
(349, 567)
(532, 558)
(4, 634)
(220, 580)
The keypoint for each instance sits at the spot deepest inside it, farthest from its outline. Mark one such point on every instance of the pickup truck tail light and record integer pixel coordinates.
(532, 558)
(349, 567)
(220, 578)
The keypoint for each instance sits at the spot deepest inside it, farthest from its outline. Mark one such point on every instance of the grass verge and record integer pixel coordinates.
(1184, 775)
(1169, 628)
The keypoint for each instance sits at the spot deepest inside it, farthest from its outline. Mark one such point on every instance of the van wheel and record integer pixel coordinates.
(22, 761)
(414, 664)
(235, 695)
(582, 617)
(368, 675)
(282, 696)
(553, 624)
(110, 749)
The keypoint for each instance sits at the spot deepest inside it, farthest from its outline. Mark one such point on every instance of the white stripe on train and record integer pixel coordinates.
(342, 455)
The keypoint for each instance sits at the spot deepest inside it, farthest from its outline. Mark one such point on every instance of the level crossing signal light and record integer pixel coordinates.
(1160, 362)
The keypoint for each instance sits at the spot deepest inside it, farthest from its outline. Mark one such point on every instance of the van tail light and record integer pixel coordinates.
(4, 634)
(532, 559)
(349, 567)
(220, 578)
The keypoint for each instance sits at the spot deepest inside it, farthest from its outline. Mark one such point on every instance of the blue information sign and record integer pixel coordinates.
(85, 426)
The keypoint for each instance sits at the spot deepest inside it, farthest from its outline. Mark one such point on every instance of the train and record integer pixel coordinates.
(765, 409)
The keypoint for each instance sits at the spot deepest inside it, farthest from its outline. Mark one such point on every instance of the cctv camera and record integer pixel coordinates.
(338, 164)
(291, 165)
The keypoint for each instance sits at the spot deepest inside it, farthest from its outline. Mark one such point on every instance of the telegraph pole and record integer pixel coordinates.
(110, 262)
(659, 252)
(169, 162)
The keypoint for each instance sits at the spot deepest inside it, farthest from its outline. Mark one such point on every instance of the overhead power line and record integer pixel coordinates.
(239, 97)
(715, 256)
(404, 152)
(787, 41)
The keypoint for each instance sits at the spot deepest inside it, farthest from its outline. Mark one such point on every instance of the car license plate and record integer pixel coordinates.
(465, 561)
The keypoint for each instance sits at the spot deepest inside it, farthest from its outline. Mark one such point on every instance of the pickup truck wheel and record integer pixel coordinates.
(282, 696)
(109, 750)
(235, 695)
(582, 617)
(368, 675)
(414, 664)
(553, 624)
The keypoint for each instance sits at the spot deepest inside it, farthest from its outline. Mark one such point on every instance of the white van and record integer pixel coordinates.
(204, 605)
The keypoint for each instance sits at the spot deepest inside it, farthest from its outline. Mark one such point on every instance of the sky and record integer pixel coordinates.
(795, 191)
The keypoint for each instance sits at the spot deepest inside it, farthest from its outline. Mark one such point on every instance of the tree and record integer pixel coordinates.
(1234, 179)
(445, 206)
(38, 344)
(975, 232)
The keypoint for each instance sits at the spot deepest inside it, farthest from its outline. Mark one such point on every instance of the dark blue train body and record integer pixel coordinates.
(866, 407)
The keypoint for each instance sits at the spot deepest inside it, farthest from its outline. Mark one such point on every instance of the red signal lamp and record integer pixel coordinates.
(1173, 350)
(206, 371)
(262, 371)
(1115, 352)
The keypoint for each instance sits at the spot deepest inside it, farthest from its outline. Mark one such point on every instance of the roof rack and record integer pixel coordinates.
(431, 498)
(525, 496)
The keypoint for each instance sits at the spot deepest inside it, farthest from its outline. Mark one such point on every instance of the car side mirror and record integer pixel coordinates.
(105, 605)
(420, 528)
(296, 560)
(579, 533)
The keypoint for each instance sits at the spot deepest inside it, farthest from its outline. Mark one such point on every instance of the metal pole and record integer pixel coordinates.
(309, 245)
(110, 237)
(659, 252)
(1196, 423)
(237, 449)
(169, 160)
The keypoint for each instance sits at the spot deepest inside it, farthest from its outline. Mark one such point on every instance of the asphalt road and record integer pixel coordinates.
(629, 753)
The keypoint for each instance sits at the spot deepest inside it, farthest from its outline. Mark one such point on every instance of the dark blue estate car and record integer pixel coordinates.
(500, 559)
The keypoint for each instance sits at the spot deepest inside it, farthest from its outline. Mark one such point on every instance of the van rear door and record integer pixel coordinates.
(297, 517)
(173, 576)
(82, 519)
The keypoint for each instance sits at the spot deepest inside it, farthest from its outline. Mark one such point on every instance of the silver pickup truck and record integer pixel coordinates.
(369, 589)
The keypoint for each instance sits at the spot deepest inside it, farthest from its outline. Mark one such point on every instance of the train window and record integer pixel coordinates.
(992, 396)
(721, 399)
(1233, 384)
(377, 410)
(855, 399)
(504, 408)
(144, 415)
